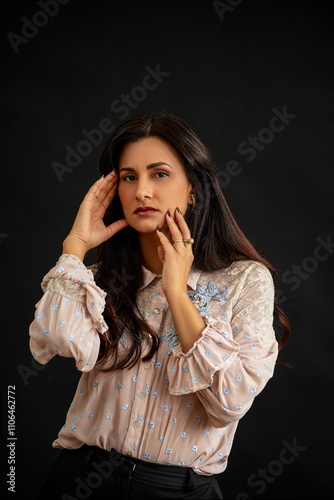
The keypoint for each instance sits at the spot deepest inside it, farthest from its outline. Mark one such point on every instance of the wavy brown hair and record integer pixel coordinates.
(219, 240)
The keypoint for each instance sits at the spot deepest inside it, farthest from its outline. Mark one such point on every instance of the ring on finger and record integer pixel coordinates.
(187, 240)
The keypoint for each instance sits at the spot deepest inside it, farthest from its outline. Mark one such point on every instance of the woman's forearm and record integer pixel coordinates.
(74, 247)
(187, 320)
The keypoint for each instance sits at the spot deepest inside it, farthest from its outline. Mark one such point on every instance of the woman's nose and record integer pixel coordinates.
(143, 190)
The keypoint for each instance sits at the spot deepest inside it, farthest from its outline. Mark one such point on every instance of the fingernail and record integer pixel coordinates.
(168, 213)
(178, 210)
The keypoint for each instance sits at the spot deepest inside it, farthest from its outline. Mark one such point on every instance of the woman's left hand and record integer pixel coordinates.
(176, 255)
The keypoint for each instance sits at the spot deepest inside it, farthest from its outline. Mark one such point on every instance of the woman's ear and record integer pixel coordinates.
(192, 199)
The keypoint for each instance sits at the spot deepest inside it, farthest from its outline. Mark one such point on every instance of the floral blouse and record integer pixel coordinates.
(178, 408)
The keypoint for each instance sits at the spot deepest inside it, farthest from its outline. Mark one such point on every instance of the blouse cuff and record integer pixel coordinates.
(193, 371)
(71, 278)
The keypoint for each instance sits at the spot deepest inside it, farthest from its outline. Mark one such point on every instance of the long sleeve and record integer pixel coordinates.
(235, 356)
(178, 409)
(69, 316)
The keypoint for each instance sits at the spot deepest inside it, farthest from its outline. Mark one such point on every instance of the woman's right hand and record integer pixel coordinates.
(89, 230)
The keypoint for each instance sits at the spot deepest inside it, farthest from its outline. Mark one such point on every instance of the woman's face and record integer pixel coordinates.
(152, 180)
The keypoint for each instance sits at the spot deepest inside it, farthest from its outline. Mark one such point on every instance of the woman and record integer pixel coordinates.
(172, 327)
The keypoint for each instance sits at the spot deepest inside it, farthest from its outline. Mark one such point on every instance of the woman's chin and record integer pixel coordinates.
(145, 226)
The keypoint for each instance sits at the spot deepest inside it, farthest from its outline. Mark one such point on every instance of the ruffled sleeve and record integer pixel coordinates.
(232, 360)
(69, 315)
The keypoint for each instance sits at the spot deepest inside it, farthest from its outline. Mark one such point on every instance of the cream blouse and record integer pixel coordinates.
(178, 408)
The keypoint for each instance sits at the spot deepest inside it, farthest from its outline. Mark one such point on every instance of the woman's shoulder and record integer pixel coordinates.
(251, 268)
(239, 271)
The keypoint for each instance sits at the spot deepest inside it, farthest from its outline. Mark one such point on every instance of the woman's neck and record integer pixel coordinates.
(149, 243)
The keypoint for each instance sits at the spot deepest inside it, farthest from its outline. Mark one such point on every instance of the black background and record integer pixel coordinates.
(225, 77)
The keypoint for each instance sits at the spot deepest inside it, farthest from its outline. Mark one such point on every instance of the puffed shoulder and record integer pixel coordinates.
(70, 277)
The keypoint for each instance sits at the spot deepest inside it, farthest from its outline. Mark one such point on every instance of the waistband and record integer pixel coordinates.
(135, 468)
(88, 453)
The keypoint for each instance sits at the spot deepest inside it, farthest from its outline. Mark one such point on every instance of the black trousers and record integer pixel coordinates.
(91, 473)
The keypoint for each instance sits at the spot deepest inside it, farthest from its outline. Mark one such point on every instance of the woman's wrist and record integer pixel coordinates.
(74, 247)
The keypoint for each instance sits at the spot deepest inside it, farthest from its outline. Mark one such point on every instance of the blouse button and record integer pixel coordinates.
(147, 366)
(141, 395)
(128, 453)
(135, 423)
(157, 310)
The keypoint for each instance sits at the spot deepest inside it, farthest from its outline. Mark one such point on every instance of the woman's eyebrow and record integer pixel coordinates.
(151, 165)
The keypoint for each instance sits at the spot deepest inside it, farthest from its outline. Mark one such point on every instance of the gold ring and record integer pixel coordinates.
(188, 240)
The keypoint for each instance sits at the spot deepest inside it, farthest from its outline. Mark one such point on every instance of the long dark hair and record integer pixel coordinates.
(219, 240)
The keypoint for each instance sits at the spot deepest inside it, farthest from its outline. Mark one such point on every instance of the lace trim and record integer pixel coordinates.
(67, 288)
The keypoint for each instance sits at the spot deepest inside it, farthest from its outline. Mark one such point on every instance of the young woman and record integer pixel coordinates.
(174, 328)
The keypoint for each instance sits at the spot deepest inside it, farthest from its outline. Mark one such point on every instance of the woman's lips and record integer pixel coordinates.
(145, 211)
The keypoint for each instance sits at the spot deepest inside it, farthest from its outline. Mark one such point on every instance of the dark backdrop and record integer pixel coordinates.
(228, 68)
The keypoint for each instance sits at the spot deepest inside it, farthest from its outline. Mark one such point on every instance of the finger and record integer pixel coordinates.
(162, 237)
(183, 226)
(104, 189)
(164, 241)
(109, 190)
(116, 226)
(161, 252)
(103, 183)
(173, 228)
(168, 247)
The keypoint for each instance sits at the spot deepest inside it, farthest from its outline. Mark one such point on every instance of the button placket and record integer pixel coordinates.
(144, 380)
(136, 427)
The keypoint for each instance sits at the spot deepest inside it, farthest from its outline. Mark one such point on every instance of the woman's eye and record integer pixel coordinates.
(156, 175)
(128, 178)
(160, 175)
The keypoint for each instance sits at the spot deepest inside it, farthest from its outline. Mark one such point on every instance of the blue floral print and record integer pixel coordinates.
(202, 296)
